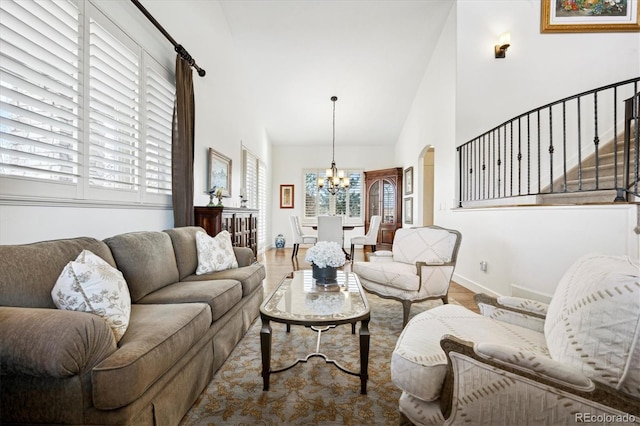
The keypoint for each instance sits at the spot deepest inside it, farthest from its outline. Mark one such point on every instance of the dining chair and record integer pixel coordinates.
(330, 229)
(298, 236)
(370, 238)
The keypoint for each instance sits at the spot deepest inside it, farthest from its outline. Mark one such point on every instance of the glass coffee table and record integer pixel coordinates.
(299, 301)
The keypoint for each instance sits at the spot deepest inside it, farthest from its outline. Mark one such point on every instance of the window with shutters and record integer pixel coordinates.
(318, 201)
(85, 111)
(255, 189)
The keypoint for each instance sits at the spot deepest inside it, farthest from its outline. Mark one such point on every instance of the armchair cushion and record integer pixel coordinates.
(418, 363)
(429, 245)
(399, 276)
(593, 322)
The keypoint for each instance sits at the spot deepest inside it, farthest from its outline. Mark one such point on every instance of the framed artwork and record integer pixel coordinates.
(408, 181)
(586, 16)
(219, 172)
(408, 210)
(286, 196)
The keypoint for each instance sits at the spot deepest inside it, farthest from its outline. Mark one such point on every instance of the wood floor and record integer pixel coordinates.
(278, 263)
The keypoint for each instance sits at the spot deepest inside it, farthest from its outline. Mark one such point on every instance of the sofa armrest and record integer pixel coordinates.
(513, 310)
(244, 256)
(52, 342)
(491, 375)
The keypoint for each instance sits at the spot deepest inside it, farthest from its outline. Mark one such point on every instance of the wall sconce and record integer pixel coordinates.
(505, 42)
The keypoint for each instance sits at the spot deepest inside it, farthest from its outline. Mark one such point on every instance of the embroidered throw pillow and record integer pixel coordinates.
(592, 321)
(89, 284)
(215, 253)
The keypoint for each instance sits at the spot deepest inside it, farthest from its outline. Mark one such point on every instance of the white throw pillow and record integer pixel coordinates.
(89, 284)
(593, 320)
(215, 253)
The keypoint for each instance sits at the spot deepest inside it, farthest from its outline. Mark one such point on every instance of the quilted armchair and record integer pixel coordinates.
(419, 267)
(576, 360)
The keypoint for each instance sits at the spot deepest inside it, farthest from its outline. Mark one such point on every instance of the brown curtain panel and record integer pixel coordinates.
(182, 150)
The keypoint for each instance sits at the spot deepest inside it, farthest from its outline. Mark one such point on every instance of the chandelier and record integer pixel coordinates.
(336, 179)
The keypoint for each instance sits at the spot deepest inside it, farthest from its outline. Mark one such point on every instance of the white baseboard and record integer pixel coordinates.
(473, 286)
(519, 291)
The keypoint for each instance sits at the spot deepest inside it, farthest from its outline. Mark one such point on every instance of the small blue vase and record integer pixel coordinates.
(280, 241)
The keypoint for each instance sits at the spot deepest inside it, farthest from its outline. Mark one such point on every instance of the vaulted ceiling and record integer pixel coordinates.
(372, 55)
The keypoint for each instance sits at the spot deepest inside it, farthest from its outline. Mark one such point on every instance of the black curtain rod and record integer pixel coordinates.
(178, 47)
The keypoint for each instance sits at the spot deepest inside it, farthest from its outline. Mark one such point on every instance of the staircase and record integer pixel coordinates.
(581, 180)
(547, 156)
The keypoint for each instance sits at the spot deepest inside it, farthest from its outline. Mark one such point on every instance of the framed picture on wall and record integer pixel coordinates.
(579, 16)
(286, 196)
(408, 210)
(408, 181)
(219, 172)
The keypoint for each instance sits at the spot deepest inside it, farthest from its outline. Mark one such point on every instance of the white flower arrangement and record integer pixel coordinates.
(326, 253)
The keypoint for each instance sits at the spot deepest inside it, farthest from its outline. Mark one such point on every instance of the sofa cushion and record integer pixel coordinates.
(146, 259)
(249, 276)
(184, 245)
(221, 295)
(89, 284)
(26, 280)
(215, 253)
(418, 363)
(593, 320)
(158, 336)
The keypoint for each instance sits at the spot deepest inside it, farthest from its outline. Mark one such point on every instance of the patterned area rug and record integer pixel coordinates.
(311, 393)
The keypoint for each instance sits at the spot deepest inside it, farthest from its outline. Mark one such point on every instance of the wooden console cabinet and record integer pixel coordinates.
(241, 223)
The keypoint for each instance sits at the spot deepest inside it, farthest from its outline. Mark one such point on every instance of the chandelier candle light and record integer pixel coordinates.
(336, 180)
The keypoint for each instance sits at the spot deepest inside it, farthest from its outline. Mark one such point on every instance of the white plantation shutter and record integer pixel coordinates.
(251, 178)
(255, 182)
(262, 204)
(159, 104)
(319, 202)
(113, 111)
(39, 83)
(85, 111)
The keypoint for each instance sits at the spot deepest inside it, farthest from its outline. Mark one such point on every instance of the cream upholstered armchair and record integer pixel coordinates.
(576, 360)
(419, 267)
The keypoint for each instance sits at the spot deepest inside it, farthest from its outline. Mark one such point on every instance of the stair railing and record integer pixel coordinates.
(543, 151)
(631, 130)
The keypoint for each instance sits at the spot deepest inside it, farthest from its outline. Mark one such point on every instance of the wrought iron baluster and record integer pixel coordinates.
(519, 156)
(564, 146)
(539, 153)
(511, 158)
(596, 139)
(528, 154)
(551, 149)
(579, 145)
(499, 164)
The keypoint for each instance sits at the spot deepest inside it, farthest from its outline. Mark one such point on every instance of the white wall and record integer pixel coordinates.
(288, 163)
(539, 68)
(224, 118)
(466, 91)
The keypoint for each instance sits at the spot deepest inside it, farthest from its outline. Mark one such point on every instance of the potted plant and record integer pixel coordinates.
(325, 257)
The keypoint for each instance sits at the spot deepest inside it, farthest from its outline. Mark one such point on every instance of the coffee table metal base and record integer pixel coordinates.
(265, 346)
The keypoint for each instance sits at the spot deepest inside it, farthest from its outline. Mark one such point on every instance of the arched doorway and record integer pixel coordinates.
(428, 173)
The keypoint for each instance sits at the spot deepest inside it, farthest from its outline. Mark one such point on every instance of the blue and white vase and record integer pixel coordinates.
(280, 241)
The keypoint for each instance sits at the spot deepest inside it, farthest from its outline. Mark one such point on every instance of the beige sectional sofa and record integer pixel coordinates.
(66, 367)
